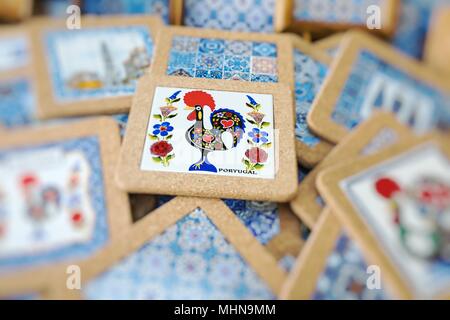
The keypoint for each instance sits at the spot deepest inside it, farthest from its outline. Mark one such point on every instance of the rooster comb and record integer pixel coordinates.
(194, 98)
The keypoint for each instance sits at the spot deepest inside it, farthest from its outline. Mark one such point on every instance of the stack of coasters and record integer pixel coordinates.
(368, 75)
(396, 205)
(243, 16)
(437, 46)
(326, 16)
(330, 266)
(189, 247)
(59, 203)
(92, 70)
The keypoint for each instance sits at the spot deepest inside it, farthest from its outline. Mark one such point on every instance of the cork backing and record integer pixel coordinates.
(118, 209)
(319, 118)
(280, 189)
(261, 261)
(305, 204)
(328, 185)
(437, 46)
(330, 43)
(48, 106)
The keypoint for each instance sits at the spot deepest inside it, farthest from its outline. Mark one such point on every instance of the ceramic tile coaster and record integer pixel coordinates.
(321, 16)
(331, 267)
(190, 248)
(310, 68)
(380, 131)
(395, 204)
(234, 15)
(92, 70)
(222, 139)
(161, 8)
(60, 179)
(369, 75)
(213, 54)
(437, 46)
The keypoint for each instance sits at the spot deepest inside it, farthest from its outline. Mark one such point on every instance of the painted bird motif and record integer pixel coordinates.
(223, 122)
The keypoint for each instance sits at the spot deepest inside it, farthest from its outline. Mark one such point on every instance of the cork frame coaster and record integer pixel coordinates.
(276, 166)
(310, 156)
(437, 44)
(388, 13)
(159, 220)
(284, 61)
(74, 139)
(84, 92)
(355, 43)
(306, 204)
(333, 181)
(177, 12)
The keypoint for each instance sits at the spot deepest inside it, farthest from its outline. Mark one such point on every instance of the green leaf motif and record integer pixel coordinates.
(152, 137)
(157, 116)
(172, 116)
(258, 166)
(267, 145)
(265, 124)
(176, 100)
(157, 159)
(251, 121)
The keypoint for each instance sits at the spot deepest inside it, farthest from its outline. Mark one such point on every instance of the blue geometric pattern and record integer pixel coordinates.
(61, 90)
(154, 7)
(90, 149)
(309, 75)
(347, 110)
(223, 59)
(235, 15)
(333, 11)
(190, 260)
(17, 103)
(344, 276)
(122, 121)
(261, 218)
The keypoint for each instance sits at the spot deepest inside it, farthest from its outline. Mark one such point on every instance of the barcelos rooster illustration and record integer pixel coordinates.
(422, 214)
(227, 129)
(42, 201)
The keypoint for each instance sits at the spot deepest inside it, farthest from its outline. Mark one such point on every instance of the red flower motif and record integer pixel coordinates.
(256, 155)
(161, 148)
(77, 218)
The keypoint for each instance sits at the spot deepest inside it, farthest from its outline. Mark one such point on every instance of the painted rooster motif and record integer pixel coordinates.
(224, 122)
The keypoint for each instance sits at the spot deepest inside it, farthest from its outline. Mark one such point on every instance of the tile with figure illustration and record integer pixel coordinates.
(215, 135)
(57, 202)
(396, 204)
(78, 70)
(371, 76)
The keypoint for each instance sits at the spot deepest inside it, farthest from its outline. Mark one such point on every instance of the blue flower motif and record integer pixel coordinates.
(162, 129)
(258, 135)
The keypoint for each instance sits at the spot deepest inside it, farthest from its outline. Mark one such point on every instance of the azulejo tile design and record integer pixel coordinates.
(14, 53)
(63, 214)
(190, 260)
(16, 103)
(97, 62)
(333, 11)
(261, 218)
(345, 275)
(309, 76)
(236, 15)
(223, 59)
(156, 7)
(423, 107)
